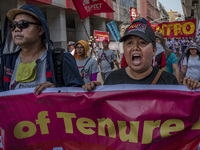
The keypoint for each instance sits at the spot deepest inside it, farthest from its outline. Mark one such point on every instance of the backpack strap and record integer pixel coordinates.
(105, 56)
(57, 55)
(85, 64)
(157, 77)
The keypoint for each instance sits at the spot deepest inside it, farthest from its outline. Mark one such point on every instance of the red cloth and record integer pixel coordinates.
(86, 9)
(106, 41)
(163, 60)
(123, 62)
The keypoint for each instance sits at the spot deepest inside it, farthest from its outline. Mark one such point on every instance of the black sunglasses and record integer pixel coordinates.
(23, 24)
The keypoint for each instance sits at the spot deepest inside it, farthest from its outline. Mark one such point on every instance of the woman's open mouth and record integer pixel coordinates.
(136, 58)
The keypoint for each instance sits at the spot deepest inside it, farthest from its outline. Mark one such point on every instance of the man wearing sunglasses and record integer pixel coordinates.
(26, 60)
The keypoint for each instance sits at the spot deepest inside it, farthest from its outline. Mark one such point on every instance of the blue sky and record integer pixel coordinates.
(175, 5)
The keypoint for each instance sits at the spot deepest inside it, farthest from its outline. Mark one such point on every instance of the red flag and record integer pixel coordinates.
(133, 13)
(150, 24)
(86, 8)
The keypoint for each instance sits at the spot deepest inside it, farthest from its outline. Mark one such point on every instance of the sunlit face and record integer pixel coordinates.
(193, 51)
(29, 35)
(138, 53)
(80, 49)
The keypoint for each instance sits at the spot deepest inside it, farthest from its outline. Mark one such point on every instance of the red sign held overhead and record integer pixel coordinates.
(86, 8)
(177, 29)
(101, 35)
(133, 13)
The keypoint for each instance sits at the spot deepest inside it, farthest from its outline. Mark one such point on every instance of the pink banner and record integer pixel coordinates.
(185, 28)
(137, 117)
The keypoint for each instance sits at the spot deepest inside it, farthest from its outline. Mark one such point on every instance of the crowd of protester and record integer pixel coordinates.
(27, 59)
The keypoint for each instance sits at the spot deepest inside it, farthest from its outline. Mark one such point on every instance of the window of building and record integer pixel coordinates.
(130, 3)
(71, 25)
(70, 20)
(148, 13)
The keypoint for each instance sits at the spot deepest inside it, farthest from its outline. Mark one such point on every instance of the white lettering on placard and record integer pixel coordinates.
(92, 7)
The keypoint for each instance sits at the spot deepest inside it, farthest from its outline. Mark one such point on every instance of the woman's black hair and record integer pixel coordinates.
(188, 54)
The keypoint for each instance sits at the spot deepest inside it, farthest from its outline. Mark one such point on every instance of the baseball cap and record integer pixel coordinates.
(141, 28)
(71, 43)
(106, 41)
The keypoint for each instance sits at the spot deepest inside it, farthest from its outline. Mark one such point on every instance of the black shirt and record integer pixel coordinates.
(121, 77)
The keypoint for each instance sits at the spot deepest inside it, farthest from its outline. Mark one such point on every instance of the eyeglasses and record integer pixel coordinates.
(81, 47)
(23, 24)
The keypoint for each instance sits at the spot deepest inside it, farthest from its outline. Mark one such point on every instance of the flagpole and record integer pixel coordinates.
(85, 30)
(82, 12)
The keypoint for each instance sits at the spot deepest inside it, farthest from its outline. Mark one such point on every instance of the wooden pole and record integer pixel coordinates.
(85, 30)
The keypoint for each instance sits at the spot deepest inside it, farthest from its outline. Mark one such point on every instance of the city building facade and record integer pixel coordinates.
(149, 9)
(177, 16)
(191, 9)
(163, 14)
(64, 22)
(171, 15)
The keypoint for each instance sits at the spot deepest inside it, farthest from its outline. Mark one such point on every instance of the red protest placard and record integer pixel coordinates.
(133, 13)
(185, 28)
(86, 8)
(101, 35)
